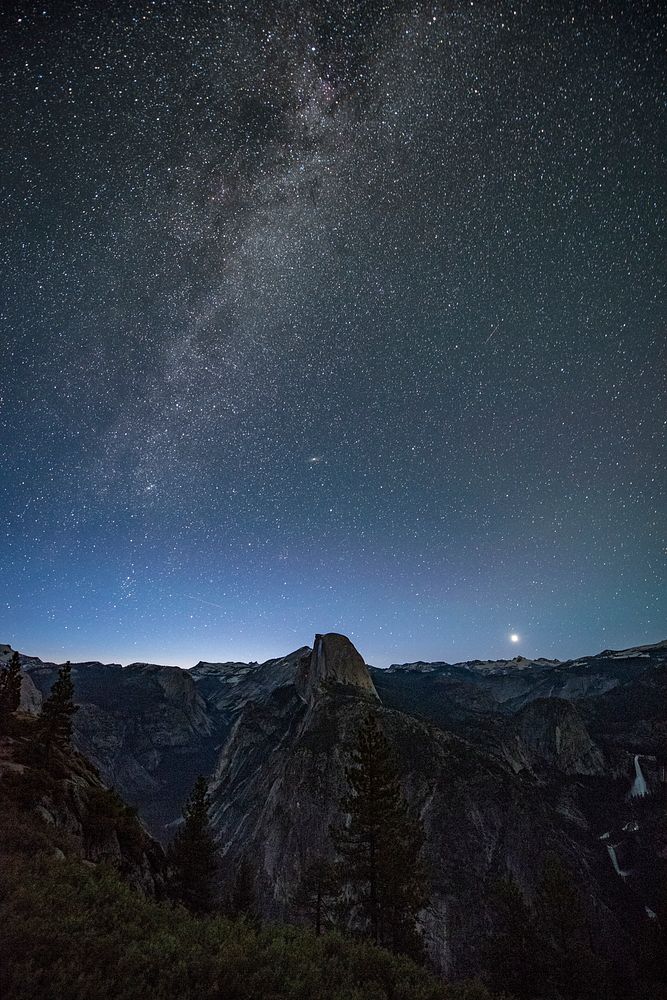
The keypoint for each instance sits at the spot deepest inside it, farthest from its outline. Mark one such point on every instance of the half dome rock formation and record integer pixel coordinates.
(332, 660)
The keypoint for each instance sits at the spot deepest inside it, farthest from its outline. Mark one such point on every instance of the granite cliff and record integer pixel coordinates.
(67, 809)
(502, 761)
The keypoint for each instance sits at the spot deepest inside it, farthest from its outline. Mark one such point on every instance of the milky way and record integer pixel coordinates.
(331, 317)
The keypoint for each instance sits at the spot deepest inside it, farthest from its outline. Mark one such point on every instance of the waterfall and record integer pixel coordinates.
(638, 789)
(614, 860)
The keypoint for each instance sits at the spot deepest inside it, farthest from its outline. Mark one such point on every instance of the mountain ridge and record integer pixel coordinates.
(6, 650)
(501, 764)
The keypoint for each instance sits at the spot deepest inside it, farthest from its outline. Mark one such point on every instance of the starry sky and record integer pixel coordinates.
(331, 317)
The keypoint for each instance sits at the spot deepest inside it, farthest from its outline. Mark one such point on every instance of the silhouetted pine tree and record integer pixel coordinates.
(558, 905)
(652, 952)
(573, 969)
(10, 690)
(242, 901)
(513, 957)
(379, 849)
(57, 711)
(316, 896)
(191, 855)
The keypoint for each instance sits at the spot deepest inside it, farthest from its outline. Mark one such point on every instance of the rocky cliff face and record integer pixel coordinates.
(502, 761)
(278, 786)
(227, 687)
(145, 727)
(73, 810)
(519, 785)
(550, 732)
(332, 661)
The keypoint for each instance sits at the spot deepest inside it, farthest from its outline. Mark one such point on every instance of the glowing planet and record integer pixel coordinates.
(514, 637)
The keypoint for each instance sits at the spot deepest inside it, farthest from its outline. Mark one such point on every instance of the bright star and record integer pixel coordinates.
(514, 637)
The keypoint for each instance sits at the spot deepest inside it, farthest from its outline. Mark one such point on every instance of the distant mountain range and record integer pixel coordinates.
(503, 761)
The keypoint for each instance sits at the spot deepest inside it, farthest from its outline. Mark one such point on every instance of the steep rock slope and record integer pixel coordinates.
(499, 763)
(278, 785)
(144, 726)
(332, 661)
(550, 733)
(151, 729)
(227, 687)
(67, 806)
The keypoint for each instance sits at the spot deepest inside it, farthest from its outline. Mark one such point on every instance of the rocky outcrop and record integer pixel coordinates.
(145, 727)
(277, 792)
(332, 661)
(551, 733)
(227, 687)
(151, 729)
(74, 810)
(31, 697)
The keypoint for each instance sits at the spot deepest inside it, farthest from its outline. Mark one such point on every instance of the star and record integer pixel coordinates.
(409, 247)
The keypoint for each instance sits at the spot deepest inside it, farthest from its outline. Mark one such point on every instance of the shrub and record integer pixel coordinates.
(70, 932)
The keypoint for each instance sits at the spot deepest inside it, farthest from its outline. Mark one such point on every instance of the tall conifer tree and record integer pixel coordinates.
(316, 895)
(379, 848)
(242, 901)
(57, 711)
(574, 970)
(514, 956)
(191, 854)
(10, 690)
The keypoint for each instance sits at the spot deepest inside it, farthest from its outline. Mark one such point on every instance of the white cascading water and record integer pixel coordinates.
(638, 789)
(614, 860)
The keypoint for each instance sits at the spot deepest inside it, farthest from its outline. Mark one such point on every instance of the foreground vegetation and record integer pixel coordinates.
(71, 928)
(91, 907)
(69, 932)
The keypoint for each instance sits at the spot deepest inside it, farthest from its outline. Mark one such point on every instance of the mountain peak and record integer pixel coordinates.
(332, 660)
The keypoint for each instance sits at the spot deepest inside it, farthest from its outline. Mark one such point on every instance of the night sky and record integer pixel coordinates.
(331, 317)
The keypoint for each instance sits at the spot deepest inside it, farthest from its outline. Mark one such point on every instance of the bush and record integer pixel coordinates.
(24, 789)
(71, 932)
(106, 813)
